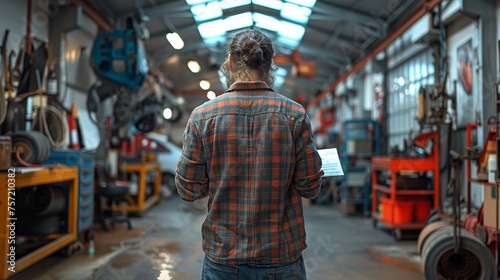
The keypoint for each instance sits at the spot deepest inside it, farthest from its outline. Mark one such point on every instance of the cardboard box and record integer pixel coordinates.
(490, 207)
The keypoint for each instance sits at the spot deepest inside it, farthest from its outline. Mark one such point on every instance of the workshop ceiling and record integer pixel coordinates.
(336, 34)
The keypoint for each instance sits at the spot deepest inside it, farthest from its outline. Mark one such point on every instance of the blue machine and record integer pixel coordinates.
(118, 57)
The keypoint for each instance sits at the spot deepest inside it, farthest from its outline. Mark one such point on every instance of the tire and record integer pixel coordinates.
(42, 201)
(473, 260)
(428, 230)
(44, 153)
(168, 189)
(30, 146)
(39, 225)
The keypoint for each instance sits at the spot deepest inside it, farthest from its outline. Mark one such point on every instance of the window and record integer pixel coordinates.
(403, 85)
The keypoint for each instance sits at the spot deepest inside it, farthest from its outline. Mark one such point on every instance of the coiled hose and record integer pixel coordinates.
(57, 130)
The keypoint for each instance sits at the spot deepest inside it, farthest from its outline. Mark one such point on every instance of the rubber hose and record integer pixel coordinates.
(59, 132)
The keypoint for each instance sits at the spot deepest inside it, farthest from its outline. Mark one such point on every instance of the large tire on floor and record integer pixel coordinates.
(472, 261)
(428, 230)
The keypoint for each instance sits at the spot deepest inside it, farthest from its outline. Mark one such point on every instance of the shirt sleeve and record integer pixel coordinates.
(191, 178)
(307, 176)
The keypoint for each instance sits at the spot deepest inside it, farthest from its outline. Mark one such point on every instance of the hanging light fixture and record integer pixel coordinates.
(194, 66)
(204, 84)
(211, 95)
(175, 40)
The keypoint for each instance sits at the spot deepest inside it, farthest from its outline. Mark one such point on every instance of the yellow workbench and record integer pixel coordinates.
(26, 177)
(141, 203)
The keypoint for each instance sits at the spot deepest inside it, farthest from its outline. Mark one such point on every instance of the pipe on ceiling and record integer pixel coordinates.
(95, 15)
(421, 11)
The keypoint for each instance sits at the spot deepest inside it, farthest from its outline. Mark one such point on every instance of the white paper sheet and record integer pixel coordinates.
(331, 163)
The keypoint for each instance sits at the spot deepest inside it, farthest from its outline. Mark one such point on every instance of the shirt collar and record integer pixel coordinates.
(257, 85)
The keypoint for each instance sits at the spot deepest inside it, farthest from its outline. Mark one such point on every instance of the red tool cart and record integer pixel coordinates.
(403, 204)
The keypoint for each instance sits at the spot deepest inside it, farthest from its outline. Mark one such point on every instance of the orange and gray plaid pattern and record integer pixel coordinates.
(251, 151)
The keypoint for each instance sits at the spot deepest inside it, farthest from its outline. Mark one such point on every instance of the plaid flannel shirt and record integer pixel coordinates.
(251, 151)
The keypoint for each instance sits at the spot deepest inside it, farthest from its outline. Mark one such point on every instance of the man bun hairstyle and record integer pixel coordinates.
(250, 49)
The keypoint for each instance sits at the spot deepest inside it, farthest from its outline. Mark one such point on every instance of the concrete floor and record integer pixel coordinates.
(166, 244)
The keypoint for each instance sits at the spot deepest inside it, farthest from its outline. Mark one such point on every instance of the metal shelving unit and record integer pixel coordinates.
(360, 141)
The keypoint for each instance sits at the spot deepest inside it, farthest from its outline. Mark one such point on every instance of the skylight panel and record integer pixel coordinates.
(229, 4)
(196, 2)
(288, 42)
(212, 10)
(272, 4)
(213, 28)
(291, 30)
(198, 10)
(238, 21)
(305, 3)
(266, 22)
(295, 13)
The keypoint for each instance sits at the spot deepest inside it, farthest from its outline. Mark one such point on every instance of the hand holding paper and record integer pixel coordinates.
(331, 163)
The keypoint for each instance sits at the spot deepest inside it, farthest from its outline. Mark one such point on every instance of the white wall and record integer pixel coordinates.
(14, 15)
(459, 33)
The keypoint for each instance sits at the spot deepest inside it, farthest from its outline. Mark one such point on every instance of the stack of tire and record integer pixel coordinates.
(436, 246)
(39, 210)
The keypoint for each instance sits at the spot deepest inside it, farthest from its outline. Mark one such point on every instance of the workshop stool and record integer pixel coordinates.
(114, 193)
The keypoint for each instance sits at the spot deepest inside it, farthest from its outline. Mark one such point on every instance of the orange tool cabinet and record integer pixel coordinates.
(56, 242)
(392, 196)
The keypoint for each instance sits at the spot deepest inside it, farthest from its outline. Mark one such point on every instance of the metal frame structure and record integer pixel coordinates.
(56, 242)
(141, 203)
(407, 165)
(346, 157)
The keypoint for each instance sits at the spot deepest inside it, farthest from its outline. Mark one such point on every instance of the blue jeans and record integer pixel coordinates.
(289, 271)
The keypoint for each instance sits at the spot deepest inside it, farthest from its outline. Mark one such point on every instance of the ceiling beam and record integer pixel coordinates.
(160, 10)
(411, 19)
(180, 30)
(334, 12)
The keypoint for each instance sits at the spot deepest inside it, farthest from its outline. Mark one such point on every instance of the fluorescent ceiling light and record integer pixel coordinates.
(272, 4)
(238, 21)
(175, 40)
(213, 28)
(305, 3)
(287, 41)
(196, 2)
(198, 10)
(211, 95)
(204, 84)
(211, 11)
(229, 4)
(295, 13)
(194, 66)
(266, 22)
(291, 30)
